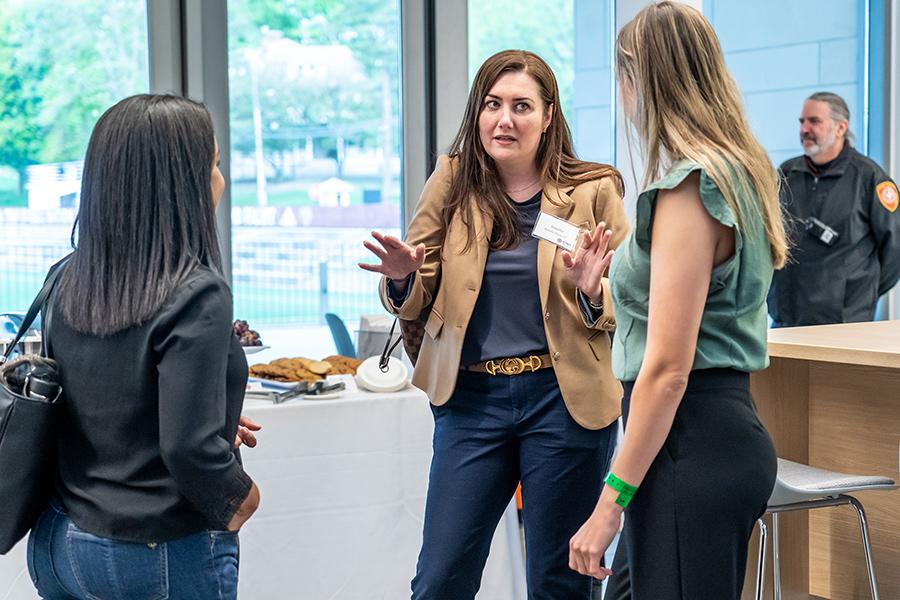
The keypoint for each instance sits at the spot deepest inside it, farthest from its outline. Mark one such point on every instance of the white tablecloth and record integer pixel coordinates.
(343, 486)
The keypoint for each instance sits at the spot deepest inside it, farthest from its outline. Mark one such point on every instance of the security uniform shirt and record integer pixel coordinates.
(839, 283)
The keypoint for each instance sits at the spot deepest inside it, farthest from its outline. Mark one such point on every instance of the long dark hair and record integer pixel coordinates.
(146, 217)
(477, 174)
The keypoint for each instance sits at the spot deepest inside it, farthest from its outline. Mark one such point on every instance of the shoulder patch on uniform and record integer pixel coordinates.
(887, 195)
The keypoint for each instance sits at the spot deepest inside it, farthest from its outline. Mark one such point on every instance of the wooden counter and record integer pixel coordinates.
(831, 399)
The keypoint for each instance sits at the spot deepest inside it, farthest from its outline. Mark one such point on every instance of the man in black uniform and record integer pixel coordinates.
(841, 210)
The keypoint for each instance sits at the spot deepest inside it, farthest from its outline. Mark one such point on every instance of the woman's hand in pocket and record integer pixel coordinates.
(245, 510)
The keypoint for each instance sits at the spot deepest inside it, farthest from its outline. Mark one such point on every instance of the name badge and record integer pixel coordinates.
(556, 231)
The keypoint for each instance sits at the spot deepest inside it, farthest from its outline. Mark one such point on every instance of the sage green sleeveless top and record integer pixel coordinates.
(734, 324)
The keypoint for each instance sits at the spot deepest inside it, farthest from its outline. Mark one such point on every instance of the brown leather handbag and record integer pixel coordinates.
(413, 332)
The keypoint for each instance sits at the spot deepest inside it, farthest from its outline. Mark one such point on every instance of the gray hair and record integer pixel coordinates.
(839, 109)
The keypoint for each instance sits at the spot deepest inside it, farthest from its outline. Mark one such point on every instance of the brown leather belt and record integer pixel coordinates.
(512, 366)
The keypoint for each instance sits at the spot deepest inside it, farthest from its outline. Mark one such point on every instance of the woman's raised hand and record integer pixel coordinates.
(398, 259)
(586, 268)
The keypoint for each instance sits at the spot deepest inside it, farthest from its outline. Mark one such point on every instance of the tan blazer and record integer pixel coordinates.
(580, 351)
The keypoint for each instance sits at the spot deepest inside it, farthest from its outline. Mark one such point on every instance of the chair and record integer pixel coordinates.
(10, 322)
(801, 487)
(341, 336)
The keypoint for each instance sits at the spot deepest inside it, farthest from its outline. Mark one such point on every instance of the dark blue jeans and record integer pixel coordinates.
(493, 432)
(68, 563)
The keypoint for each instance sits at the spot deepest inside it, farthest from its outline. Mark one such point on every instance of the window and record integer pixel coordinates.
(575, 38)
(59, 70)
(315, 158)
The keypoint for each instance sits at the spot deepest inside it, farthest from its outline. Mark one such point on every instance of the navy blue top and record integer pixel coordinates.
(506, 320)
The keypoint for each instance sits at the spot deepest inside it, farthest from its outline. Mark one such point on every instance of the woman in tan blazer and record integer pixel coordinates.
(516, 355)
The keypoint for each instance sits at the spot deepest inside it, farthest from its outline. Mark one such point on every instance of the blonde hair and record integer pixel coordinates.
(687, 106)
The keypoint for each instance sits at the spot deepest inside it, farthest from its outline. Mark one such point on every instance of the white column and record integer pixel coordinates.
(451, 68)
(414, 113)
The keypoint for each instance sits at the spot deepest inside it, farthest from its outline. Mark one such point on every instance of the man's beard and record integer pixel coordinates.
(820, 146)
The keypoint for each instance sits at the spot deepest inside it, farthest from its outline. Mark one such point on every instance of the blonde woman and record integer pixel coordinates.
(689, 287)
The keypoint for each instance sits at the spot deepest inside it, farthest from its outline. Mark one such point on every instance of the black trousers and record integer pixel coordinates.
(687, 529)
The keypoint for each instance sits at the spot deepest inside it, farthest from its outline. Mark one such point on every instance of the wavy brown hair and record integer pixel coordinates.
(477, 175)
(687, 106)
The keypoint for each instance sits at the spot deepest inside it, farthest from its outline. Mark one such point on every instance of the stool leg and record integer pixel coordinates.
(864, 532)
(761, 564)
(776, 556)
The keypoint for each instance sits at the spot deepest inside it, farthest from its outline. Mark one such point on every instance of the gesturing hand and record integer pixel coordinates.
(398, 259)
(585, 269)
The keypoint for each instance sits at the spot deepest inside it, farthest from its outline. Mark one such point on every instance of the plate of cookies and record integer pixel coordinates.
(287, 372)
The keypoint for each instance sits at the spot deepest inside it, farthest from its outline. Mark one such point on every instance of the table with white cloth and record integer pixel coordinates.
(343, 485)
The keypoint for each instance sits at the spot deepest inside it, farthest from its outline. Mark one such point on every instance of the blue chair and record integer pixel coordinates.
(10, 322)
(342, 340)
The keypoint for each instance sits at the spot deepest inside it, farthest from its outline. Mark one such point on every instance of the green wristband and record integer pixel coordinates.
(626, 491)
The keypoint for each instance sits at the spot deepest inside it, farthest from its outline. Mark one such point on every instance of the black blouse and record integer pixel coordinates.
(148, 419)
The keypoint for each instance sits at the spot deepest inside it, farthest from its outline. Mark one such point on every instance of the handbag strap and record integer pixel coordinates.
(388, 348)
(36, 306)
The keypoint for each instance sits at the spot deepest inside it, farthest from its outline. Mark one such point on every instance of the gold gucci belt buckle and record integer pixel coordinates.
(513, 366)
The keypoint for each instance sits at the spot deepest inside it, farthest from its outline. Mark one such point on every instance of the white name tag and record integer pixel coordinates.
(556, 231)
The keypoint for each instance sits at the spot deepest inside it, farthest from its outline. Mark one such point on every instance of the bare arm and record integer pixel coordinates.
(687, 243)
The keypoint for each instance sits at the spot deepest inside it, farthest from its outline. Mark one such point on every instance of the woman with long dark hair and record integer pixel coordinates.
(150, 492)
(515, 357)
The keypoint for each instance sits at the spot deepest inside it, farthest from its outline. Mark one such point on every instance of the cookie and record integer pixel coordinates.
(343, 365)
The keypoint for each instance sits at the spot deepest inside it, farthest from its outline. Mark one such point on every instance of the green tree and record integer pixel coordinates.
(545, 27)
(345, 102)
(62, 63)
(95, 54)
(20, 103)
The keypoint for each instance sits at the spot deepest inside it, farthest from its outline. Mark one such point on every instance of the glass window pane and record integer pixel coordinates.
(778, 62)
(315, 161)
(575, 38)
(61, 65)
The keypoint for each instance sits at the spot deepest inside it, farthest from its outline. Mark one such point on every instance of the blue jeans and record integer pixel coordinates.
(494, 432)
(68, 563)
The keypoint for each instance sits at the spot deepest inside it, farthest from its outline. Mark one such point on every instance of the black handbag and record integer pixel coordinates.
(29, 395)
